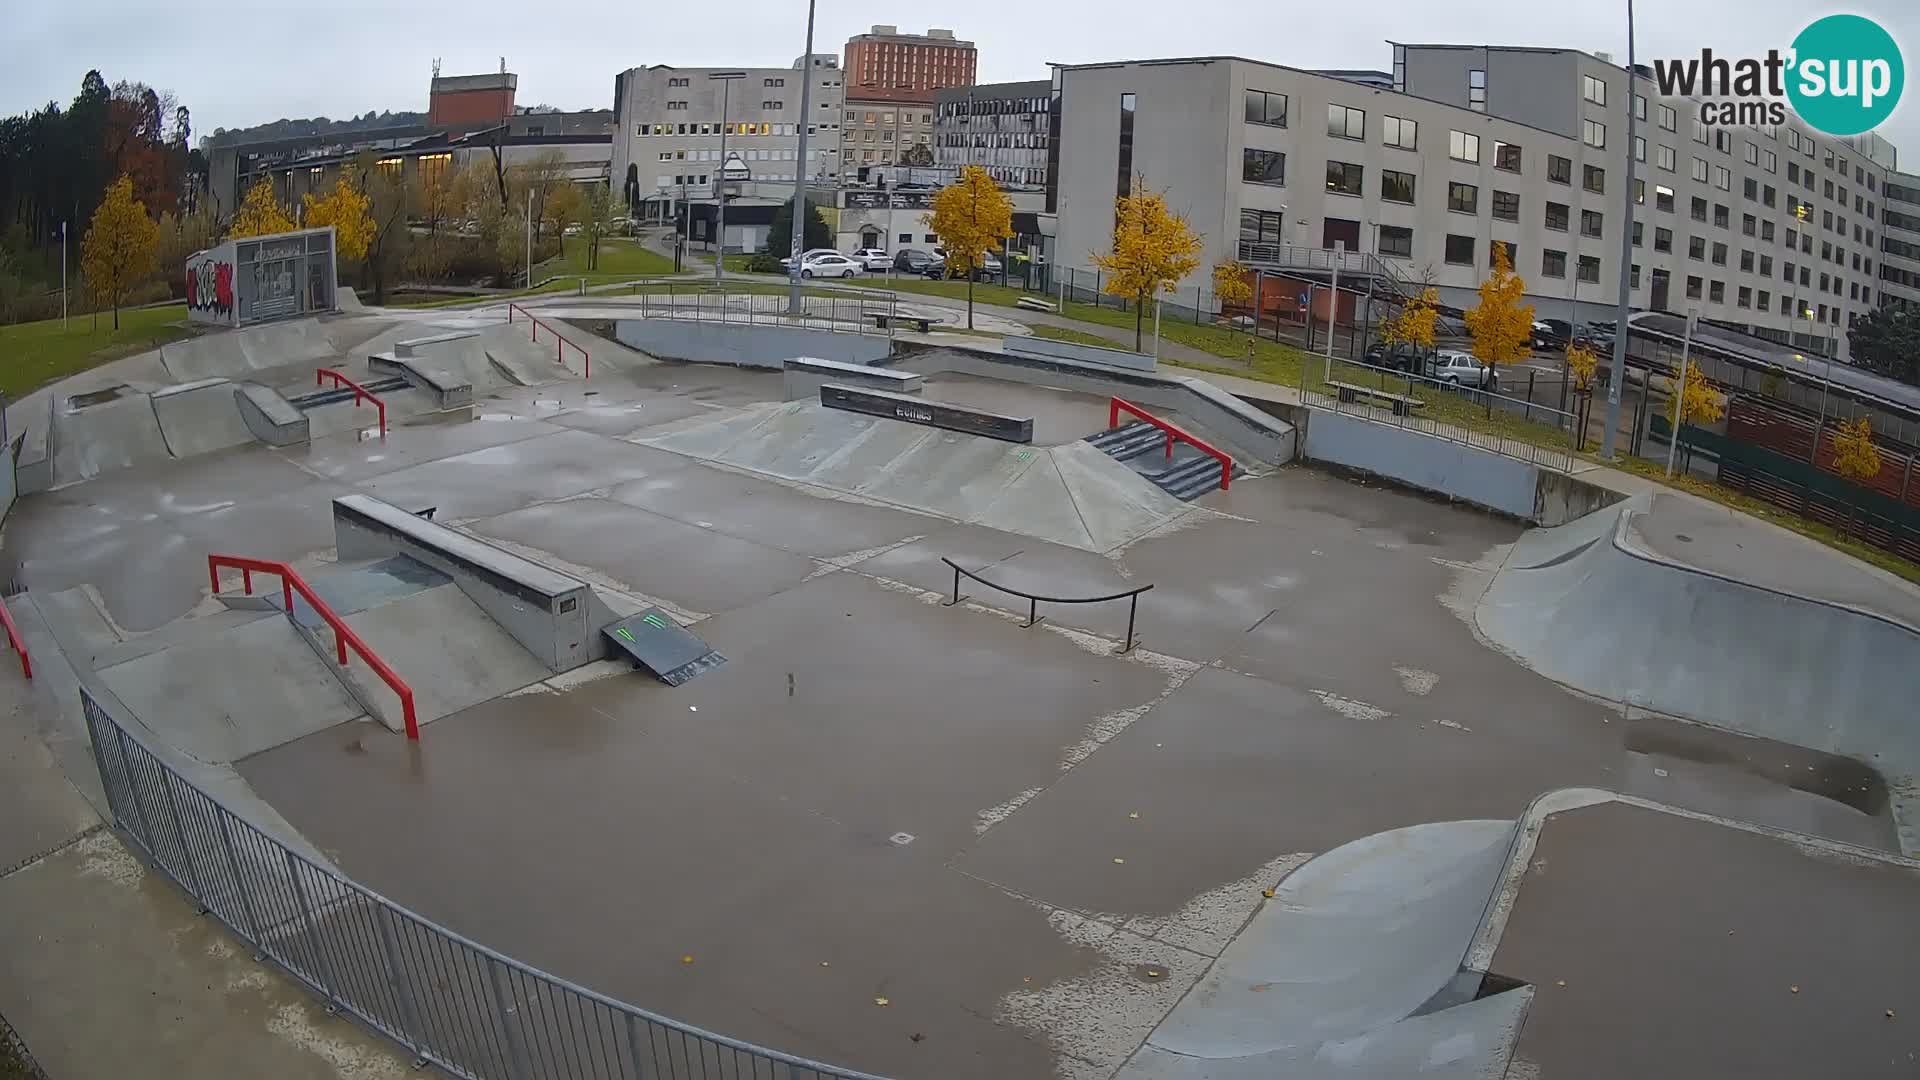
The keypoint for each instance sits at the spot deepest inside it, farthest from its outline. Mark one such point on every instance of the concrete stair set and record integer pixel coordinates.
(1187, 475)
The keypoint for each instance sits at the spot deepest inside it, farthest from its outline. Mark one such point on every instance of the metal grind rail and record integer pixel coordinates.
(340, 378)
(18, 643)
(343, 635)
(1131, 596)
(1116, 406)
(563, 344)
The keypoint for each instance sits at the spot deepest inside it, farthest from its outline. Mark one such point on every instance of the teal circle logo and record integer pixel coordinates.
(1846, 75)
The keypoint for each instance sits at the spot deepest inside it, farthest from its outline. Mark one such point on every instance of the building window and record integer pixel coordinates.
(1345, 123)
(1750, 153)
(1722, 179)
(1463, 147)
(1553, 263)
(1265, 108)
(1593, 90)
(1477, 90)
(1766, 266)
(1590, 222)
(1638, 233)
(1633, 276)
(1663, 157)
(1396, 240)
(1506, 156)
(1697, 248)
(1747, 224)
(1722, 141)
(1663, 240)
(1663, 198)
(1594, 134)
(1719, 216)
(1699, 131)
(1770, 161)
(1459, 249)
(1263, 167)
(1719, 254)
(1463, 198)
(1746, 261)
(1693, 287)
(1666, 117)
(1717, 292)
(1763, 300)
(1400, 133)
(1396, 186)
(1506, 206)
(1261, 226)
(1589, 269)
(1123, 183)
(1639, 107)
(1697, 209)
(1557, 216)
(1344, 178)
(1749, 189)
(1594, 179)
(1768, 196)
(1700, 169)
(1559, 169)
(1512, 250)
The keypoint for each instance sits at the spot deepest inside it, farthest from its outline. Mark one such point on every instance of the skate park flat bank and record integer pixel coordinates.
(1012, 733)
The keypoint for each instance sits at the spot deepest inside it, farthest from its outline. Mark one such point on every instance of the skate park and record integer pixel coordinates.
(1368, 783)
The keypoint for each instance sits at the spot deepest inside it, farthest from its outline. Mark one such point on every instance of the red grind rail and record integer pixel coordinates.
(343, 635)
(1114, 408)
(560, 349)
(359, 392)
(14, 639)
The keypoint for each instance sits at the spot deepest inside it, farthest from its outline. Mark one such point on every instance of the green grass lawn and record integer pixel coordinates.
(36, 353)
(620, 257)
(1078, 337)
(564, 285)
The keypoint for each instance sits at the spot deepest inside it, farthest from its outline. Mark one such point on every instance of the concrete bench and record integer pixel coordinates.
(1034, 303)
(882, 320)
(450, 389)
(1402, 404)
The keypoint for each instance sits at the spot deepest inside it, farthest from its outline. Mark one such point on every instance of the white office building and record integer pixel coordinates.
(1473, 146)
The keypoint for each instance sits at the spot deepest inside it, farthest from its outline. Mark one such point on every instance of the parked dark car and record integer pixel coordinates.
(1399, 357)
(1552, 333)
(912, 261)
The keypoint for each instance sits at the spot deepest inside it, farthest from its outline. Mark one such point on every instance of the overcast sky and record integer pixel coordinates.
(237, 64)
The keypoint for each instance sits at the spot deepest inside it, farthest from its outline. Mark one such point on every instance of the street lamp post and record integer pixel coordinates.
(1621, 309)
(797, 236)
(725, 79)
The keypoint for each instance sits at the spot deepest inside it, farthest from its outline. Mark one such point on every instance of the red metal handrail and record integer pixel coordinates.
(340, 379)
(560, 350)
(14, 639)
(1115, 406)
(343, 635)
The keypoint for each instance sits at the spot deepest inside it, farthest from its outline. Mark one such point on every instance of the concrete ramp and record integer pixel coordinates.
(1070, 494)
(233, 690)
(238, 352)
(1328, 977)
(448, 651)
(200, 417)
(102, 431)
(269, 416)
(1590, 606)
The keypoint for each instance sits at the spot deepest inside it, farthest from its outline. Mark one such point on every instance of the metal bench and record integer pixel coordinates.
(1402, 404)
(1034, 303)
(882, 320)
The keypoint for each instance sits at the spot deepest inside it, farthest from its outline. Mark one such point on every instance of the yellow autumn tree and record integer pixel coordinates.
(119, 249)
(1230, 285)
(1582, 362)
(972, 217)
(1694, 401)
(1415, 323)
(260, 213)
(1153, 249)
(1502, 326)
(1854, 455)
(346, 209)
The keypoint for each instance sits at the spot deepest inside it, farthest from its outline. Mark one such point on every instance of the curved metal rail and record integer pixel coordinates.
(1132, 596)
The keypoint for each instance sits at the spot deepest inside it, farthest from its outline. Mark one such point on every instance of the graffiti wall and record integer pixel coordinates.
(257, 278)
(210, 285)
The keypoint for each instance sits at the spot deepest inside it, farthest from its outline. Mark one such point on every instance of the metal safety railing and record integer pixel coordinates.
(562, 344)
(849, 310)
(1486, 419)
(1116, 406)
(360, 393)
(14, 640)
(449, 1000)
(1131, 596)
(291, 582)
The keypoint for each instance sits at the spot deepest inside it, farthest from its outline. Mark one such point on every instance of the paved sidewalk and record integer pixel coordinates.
(105, 969)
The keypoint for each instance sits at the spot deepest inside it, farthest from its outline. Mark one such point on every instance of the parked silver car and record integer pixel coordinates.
(1457, 368)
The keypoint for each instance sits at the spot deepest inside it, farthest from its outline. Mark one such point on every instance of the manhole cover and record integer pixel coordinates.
(901, 838)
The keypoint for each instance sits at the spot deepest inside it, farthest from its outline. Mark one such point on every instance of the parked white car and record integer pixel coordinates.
(808, 256)
(829, 265)
(873, 259)
(1463, 369)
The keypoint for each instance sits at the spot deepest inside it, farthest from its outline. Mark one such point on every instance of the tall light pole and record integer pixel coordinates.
(529, 238)
(798, 235)
(1619, 371)
(63, 277)
(725, 79)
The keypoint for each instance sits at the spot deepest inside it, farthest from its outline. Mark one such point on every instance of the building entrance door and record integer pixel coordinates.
(1342, 231)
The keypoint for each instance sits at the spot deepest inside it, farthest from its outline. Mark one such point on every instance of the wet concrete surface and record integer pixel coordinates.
(1306, 679)
(1059, 416)
(1667, 946)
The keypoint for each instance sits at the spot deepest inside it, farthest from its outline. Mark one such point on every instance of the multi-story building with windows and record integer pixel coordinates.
(1002, 127)
(668, 131)
(1775, 231)
(1900, 240)
(886, 57)
(881, 125)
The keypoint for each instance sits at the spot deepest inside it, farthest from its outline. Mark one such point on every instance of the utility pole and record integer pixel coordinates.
(798, 235)
(726, 80)
(1680, 390)
(63, 277)
(1619, 371)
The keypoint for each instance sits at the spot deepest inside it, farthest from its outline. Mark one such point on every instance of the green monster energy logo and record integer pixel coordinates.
(654, 620)
(623, 634)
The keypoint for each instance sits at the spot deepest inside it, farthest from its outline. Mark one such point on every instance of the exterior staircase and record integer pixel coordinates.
(1187, 475)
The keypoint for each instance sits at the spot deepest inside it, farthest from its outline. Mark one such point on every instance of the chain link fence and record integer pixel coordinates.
(451, 1001)
(1483, 418)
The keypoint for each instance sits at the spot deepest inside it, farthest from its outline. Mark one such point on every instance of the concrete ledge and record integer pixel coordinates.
(33, 455)
(414, 346)
(807, 374)
(1017, 429)
(1230, 423)
(545, 610)
(450, 389)
(745, 345)
(1025, 345)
